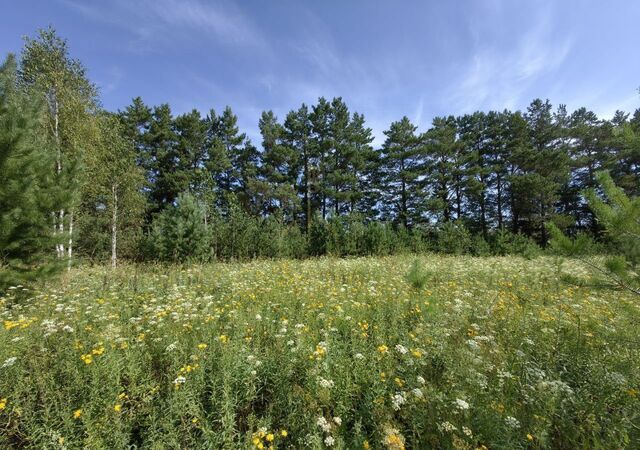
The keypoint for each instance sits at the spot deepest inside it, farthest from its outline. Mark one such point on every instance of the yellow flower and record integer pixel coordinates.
(270, 437)
(283, 433)
(223, 338)
(202, 346)
(366, 445)
(383, 348)
(117, 407)
(88, 359)
(3, 403)
(529, 437)
(77, 413)
(416, 353)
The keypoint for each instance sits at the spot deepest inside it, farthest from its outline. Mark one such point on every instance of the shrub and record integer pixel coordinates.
(179, 233)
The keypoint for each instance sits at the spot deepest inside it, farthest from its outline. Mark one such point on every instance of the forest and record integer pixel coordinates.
(145, 184)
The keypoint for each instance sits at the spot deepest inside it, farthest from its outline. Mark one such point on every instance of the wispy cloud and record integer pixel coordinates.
(497, 77)
(158, 20)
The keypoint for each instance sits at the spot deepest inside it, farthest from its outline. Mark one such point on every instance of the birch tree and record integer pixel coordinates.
(48, 72)
(112, 199)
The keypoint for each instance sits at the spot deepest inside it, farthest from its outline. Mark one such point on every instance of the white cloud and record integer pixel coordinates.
(497, 78)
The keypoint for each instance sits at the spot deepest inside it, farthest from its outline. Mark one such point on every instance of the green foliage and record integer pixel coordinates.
(416, 276)
(507, 243)
(619, 217)
(179, 233)
(28, 187)
(453, 238)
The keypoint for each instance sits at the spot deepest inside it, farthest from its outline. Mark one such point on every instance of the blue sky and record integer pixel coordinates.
(385, 58)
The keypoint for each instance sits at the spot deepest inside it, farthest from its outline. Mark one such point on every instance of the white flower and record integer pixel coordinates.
(171, 347)
(421, 380)
(322, 423)
(258, 317)
(418, 393)
(327, 384)
(9, 362)
(512, 422)
(337, 420)
(461, 404)
(401, 349)
(180, 380)
(398, 400)
(329, 441)
(447, 426)
(467, 431)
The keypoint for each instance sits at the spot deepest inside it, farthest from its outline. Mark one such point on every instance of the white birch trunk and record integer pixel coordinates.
(70, 245)
(114, 228)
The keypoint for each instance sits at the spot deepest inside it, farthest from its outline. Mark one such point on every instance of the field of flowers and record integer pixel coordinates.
(491, 353)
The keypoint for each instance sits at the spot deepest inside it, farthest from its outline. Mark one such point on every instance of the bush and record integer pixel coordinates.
(453, 238)
(507, 243)
(179, 233)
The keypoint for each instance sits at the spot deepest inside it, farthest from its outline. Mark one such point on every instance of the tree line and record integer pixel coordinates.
(144, 183)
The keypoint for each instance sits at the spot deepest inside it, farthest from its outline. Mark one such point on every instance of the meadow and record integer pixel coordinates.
(466, 353)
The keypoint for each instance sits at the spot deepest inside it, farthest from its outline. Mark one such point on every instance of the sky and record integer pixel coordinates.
(386, 59)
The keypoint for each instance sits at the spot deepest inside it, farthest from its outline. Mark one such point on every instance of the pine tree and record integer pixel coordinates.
(399, 169)
(297, 137)
(619, 215)
(280, 167)
(441, 165)
(28, 186)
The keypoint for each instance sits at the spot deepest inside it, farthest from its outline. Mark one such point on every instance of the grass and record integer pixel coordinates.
(492, 353)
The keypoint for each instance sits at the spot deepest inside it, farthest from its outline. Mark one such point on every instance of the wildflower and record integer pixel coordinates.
(512, 422)
(171, 347)
(327, 384)
(393, 439)
(283, 433)
(529, 437)
(322, 423)
(202, 346)
(365, 445)
(421, 380)
(87, 359)
(117, 407)
(223, 338)
(401, 349)
(447, 426)
(77, 413)
(9, 362)
(270, 437)
(382, 349)
(398, 400)
(329, 441)
(180, 380)
(337, 420)
(3, 403)
(416, 353)
(467, 431)
(461, 404)
(418, 393)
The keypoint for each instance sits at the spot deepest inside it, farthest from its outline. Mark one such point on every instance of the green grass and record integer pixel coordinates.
(493, 352)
